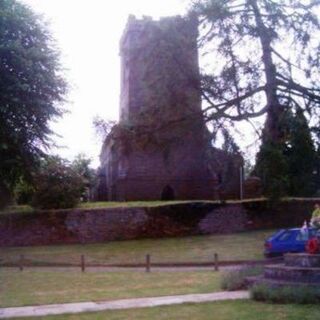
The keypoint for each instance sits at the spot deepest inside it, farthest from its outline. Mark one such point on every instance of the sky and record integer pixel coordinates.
(88, 34)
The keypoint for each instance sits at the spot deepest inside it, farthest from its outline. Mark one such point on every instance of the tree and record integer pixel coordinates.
(272, 168)
(271, 58)
(31, 91)
(293, 161)
(301, 155)
(316, 176)
(229, 145)
(58, 185)
(102, 127)
(317, 171)
(81, 165)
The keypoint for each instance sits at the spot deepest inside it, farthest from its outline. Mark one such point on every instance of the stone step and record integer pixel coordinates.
(302, 260)
(288, 273)
(279, 283)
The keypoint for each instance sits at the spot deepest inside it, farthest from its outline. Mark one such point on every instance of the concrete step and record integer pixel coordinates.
(302, 260)
(288, 273)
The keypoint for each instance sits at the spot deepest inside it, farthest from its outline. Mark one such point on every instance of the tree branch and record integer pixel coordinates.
(285, 60)
(235, 101)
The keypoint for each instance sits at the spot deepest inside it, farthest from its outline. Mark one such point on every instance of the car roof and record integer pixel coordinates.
(298, 229)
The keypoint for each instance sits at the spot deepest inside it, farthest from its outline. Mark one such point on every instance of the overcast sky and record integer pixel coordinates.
(88, 34)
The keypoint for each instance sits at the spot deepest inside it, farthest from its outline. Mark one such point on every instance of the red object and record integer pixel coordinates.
(268, 245)
(313, 246)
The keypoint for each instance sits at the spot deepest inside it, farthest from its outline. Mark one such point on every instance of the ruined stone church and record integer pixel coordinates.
(160, 149)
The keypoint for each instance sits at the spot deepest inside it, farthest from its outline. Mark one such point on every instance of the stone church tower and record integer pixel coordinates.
(160, 147)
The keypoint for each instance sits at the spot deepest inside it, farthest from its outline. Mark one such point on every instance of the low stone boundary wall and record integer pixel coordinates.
(98, 225)
(185, 219)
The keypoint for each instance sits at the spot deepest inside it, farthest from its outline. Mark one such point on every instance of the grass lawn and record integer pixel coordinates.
(240, 246)
(34, 287)
(106, 204)
(132, 204)
(227, 310)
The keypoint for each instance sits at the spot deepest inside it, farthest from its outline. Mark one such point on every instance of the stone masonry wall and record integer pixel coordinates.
(99, 225)
(195, 218)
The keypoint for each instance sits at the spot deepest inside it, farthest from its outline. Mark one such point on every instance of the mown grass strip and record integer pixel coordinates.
(232, 247)
(226, 310)
(36, 287)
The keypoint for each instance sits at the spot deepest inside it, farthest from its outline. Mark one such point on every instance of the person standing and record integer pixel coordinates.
(315, 219)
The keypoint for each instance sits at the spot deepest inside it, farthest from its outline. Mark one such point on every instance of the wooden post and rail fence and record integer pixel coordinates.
(22, 263)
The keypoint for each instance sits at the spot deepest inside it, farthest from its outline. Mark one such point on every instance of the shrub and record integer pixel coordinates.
(286, 294)
(57, 185)
(23, 192)
(236, 279)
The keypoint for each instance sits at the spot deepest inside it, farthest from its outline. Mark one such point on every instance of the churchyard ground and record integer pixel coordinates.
(42, 286)
(35, 286)
(45, 285)
(236, 310)
(239, 246)
(49, 285)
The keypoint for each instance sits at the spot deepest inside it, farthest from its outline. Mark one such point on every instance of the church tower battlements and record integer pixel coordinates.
(159, 68)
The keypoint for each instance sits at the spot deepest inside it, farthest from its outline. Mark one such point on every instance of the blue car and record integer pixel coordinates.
(288, 240)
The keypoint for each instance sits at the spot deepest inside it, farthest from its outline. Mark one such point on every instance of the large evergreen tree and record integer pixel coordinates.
(31, 90)
(287, 168)
(300, 154)
(266, 59)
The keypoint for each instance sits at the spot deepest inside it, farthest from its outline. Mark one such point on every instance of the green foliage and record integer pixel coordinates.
(271, 67)
(315, 130)
(81, 165)
(102, 126)
(272, 168)
(287, 168)
(31, 88)
(23, 192)
(300, 154)
(271, 64)
(317, 171)
(299, 295)
(269, 55)
(236, 279)
(57, 185)
(229, 145)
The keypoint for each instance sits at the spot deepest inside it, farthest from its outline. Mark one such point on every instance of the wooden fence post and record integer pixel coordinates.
(21, 262)
(148, 263)
(83, 265)
(216, 262)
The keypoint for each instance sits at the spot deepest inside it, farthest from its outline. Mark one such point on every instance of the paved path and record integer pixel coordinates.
(55, 309)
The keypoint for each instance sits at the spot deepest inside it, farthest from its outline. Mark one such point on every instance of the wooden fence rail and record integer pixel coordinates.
(22, 262)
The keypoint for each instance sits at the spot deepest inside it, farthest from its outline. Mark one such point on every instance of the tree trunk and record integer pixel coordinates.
(5, 195)
(272, 129)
